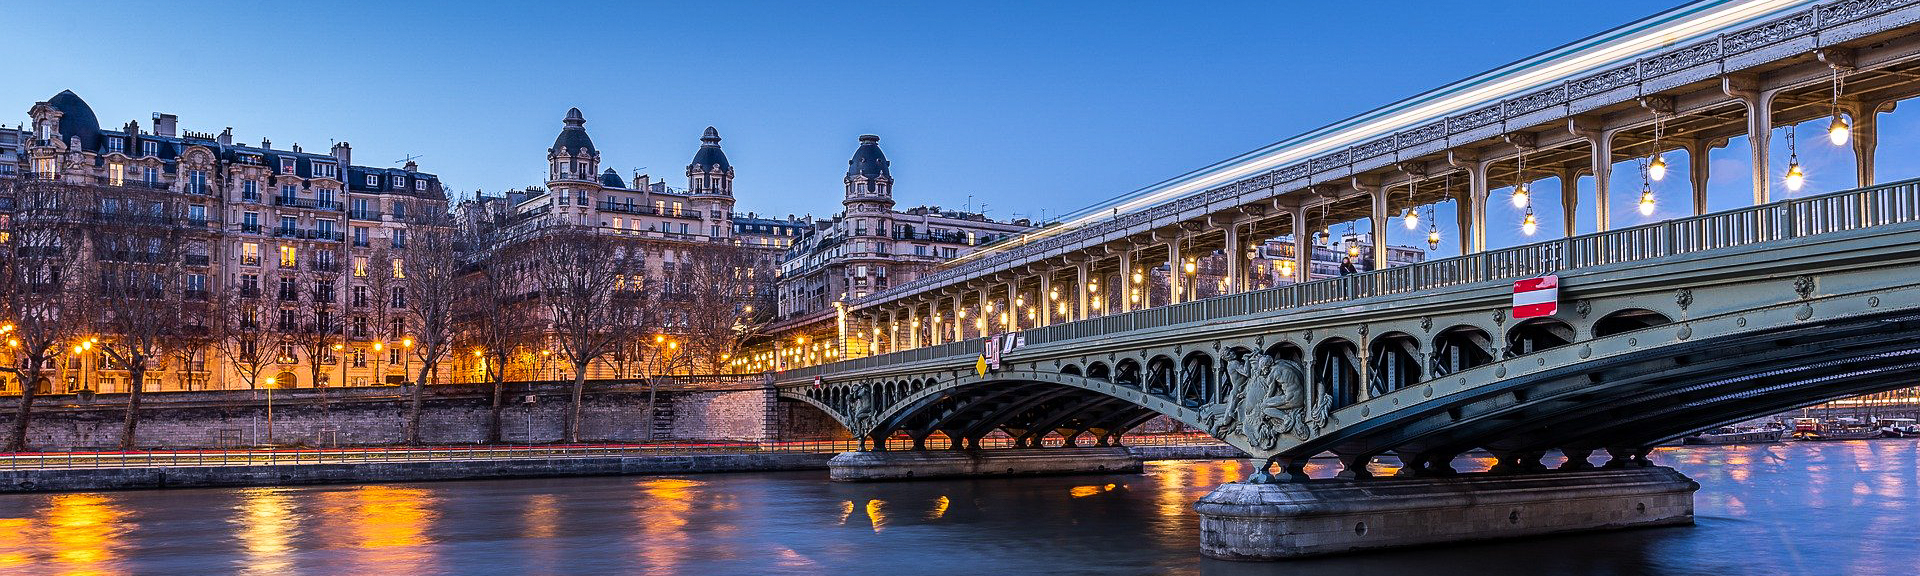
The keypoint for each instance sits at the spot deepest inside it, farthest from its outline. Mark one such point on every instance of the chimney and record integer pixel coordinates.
(296, 147)
(412, 166)
(164, 125)
(226, 137)
(344, 153)
(265, 143)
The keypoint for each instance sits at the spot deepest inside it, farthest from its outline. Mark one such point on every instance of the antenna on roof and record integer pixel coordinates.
(409, 158)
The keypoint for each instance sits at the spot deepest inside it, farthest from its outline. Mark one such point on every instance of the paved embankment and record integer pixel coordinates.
(135, 476)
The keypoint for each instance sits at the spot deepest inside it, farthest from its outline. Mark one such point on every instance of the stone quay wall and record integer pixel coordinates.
(533, 413)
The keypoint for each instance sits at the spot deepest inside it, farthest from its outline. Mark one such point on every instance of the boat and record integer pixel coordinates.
(1736, 436)
(1898, 427)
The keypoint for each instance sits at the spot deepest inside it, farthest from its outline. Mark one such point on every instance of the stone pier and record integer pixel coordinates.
(904, 465)
(1240, 521)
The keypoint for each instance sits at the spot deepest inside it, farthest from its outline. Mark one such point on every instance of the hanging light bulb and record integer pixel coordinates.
(1286, 268)
(1657, 169)
(1796, 176)
(1529, 225)
(1353, 249)
(1646, 201)
(1433, 237)
(1520, 195)
(1412, 218)
(1839, 131)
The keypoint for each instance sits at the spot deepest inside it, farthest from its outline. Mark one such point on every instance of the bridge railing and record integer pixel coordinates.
(1886, 204)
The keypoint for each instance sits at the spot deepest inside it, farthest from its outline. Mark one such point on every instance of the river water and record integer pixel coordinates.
(1798, 508)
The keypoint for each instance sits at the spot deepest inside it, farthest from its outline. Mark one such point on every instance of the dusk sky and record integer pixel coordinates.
(1020, 107)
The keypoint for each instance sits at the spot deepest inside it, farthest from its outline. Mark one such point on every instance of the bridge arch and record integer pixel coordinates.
(1159, 376)
(1197, 371)
(1336, 369)
(1394, 361)
(1287, 350)
(1026, 405)
(1127, 372)
(1536, 334)
(1627, 320)
(1071, 369)
(1457, 348)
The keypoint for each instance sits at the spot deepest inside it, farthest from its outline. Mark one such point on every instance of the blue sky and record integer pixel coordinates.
(1023, 107)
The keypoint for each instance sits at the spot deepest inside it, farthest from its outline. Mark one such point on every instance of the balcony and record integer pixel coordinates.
(643, 209)
(250, 228)
(198, 260)
(195, 295)
(295, 202)
(249, 292)
(131, 183)
(365, 215)
(324, 267)
(307, 234)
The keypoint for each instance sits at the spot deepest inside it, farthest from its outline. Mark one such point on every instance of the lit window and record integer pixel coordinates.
(289, 257)
(399, 268)
(117, 174)
(359, 265)
(250, 254)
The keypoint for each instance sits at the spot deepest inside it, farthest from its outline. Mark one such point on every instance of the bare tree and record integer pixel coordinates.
(319, 325)
(594, 289)
(241, 334)
(432, 271)
(42, 301)
(717, 297)
(492, 317)
(383, 276)
(138, 251)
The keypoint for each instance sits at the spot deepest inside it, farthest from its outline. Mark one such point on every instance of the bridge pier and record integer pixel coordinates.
(906, 465)
(1276, 521)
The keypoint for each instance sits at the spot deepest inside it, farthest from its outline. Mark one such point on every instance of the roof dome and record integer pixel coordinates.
(76, 119)
(573, 138)
(709, 153)
(612, 179)
(868, 160)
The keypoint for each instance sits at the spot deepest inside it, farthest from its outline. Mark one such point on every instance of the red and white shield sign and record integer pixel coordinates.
(1535, 297)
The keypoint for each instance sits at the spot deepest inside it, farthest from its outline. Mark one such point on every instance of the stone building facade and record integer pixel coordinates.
(285, 231)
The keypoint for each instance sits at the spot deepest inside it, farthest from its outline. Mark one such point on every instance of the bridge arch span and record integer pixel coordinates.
(1027, 405)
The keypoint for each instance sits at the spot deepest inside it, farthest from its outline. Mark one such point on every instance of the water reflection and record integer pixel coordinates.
(1806, 508)
(266, 525)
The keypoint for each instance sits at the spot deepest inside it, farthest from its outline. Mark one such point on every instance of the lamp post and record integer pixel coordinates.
(406, 359)
(270, 381)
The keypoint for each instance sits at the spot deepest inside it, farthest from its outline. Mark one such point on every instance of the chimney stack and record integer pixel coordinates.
(412, 166)
(344, 153)
(226, 137)
(165, 125)
(296, 147)
(265, 143)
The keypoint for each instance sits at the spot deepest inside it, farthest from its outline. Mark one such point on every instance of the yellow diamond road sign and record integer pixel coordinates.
(980, 365)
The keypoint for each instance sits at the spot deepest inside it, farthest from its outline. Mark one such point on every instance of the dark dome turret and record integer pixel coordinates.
(709, 154)
(612, 179)
(867, 160)
(573, 138)
(76, 119)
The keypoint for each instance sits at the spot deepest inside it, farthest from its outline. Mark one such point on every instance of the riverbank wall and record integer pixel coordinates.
(532, 413)
(296, 474)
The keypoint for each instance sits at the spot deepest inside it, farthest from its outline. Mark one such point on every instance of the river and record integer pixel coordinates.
(1796, 508)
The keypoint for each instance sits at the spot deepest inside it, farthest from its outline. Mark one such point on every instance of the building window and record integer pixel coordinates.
(420, 185)
(400, 209)
(400, 182)
(360, 236)
(360, 354)
(117, 145)
(399, 297)
(360, 297)
(324, 170)
(325, 229)
(399, 268)
(373, 181)
(288, 290)
(196, 182)
(289, 257)
(250, 222)
(197, 215)
(150, 148)
(249, 254)
(289, 226)
(117, 174)
(359, 265)
(151, 176)
(360, 329)
(249, 191)
(286, 165)
(678, 209)
(399, 237)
